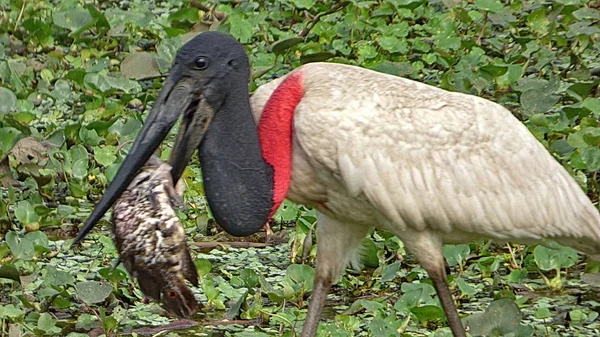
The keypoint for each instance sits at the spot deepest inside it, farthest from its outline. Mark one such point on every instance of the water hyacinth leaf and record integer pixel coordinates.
(303, 3)
(554, 256)
(21, 248)
(8, 271)
(456, 254)
(282, 45)
(8, 138)
(389, 271)
(494, 6)
(592, 104)
(8, 101)
(10, 311)
(72, 20)
(46, 322)
(25, 212)
(139, 65)
(105, 155)
(300, 274)
(93, 291)
(534, 101)
(500, 318)
(316, 57)
(428, 313)
(58, 278)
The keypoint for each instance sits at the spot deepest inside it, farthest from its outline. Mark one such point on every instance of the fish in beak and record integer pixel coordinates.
(208, 88)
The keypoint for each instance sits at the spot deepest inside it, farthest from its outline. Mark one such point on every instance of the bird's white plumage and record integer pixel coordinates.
(384, 151)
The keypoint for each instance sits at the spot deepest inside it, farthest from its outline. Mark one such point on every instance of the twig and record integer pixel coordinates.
(20, 15)
(237, 321)
(152, 77)
(235, 244)
(317, 17)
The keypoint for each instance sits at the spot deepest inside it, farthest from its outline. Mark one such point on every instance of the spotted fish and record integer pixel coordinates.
(151, 240)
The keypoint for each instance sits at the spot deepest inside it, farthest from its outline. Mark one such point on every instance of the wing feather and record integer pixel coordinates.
(428, 159)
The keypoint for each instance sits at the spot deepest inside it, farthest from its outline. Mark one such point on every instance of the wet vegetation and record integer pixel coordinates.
(77, 78)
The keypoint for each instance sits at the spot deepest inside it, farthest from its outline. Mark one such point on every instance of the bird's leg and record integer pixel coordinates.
(427, 248)
(317, 302)
(336, 242)
(438, 276)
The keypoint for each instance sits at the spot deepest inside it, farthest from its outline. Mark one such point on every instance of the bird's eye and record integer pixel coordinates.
(201, 63)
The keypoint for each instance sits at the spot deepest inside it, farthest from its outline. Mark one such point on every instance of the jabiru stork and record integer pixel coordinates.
(366, 150)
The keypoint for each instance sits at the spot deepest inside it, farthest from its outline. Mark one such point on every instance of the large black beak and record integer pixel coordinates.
(209, 85)
(175, 97)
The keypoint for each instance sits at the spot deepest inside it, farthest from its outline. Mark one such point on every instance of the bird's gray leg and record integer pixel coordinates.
(427, 248)
(438, 276)
(336, 242)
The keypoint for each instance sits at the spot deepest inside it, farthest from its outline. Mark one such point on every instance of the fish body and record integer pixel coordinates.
(151, 240)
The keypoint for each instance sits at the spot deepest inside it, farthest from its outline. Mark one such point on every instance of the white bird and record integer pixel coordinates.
(366, 150)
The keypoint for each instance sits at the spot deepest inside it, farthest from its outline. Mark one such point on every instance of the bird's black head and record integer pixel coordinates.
(208, 87)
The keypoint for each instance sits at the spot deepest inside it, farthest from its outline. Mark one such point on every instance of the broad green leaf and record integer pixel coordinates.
(554, 256)
(494, 6)
(25, 212)
(72, 20)
(501, 317)
(303, 3)
(282, 45)
(241, 28)
(8, 101)
(389, 271)
(21, 248)
(300, 274)
(11, 312)
(592, 104)
(46, 322)
(8, 271)
(456, 254)
(105, 155)
(57, 278)
(139, 65)
(393, 44)
(93, 291)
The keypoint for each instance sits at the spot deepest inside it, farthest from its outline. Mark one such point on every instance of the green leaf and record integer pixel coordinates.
(203, 266)
(494, 6)
(8, 138)
(501, 317)
(282, 45)
(592, 104)
(8, 101)
(428, 313)
(58, 278)
(105, 156)
(73, 20)
(21, 248)
(46, 322)
(93, 291)
(241, 28)
(591, 157)
(11, 312)
(8, 271)
(303, 3)
(300, 274)
(80, 169)
(393, 44)
(456, 254)
(25, 213)
(554, 256)
(534, 101)
(389, 271)
(139, 65)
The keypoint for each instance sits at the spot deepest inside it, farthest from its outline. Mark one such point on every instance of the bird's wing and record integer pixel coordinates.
(433, 160)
